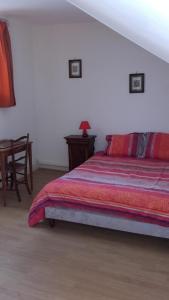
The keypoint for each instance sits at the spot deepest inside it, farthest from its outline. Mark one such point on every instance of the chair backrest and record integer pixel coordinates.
(19, 152)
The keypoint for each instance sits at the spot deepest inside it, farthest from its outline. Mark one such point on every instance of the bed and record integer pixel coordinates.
(122, 193)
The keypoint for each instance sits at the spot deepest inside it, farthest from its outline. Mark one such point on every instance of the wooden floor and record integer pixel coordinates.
(76, 262)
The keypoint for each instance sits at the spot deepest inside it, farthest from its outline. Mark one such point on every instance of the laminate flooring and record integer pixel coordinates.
(76, 262)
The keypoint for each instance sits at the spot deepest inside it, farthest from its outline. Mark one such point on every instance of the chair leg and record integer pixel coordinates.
(4, 199)
(17, 192)
(12, 181)
(28, 188)
(27, 185)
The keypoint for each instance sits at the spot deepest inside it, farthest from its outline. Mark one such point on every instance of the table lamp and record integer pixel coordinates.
(84, 125)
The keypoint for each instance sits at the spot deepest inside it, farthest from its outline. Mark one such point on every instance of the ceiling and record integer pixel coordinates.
(145, 22)
(43, 11)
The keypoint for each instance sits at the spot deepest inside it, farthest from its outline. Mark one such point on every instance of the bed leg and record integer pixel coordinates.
(51, 222)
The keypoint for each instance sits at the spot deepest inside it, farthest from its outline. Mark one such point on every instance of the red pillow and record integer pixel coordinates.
(158, 146)
(122, 145)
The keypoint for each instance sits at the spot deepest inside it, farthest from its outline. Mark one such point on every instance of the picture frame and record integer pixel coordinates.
(136, 83)
(75, 68)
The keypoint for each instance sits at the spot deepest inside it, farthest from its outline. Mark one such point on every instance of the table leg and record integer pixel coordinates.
(3, 160)
(30, 167)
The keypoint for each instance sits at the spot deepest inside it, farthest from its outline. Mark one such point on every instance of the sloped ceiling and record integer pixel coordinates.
(43, 11)
(145, 22)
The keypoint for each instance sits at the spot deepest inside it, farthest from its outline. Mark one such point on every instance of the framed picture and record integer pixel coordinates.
(75, 68)
(136, 83)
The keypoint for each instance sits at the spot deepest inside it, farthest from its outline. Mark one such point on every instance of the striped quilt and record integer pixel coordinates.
(134, 188)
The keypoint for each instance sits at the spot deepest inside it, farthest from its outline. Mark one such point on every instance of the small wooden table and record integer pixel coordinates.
(5, 151)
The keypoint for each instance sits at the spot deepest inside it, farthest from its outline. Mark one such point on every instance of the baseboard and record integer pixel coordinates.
(53, 167)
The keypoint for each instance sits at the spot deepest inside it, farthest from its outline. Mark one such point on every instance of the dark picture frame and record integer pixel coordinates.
(136, 83)
(75, 68)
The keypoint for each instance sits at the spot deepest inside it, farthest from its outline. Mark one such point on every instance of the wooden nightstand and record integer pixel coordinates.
(80, 149)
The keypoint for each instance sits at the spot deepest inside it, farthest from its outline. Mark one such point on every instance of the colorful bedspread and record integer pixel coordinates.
(135, 188)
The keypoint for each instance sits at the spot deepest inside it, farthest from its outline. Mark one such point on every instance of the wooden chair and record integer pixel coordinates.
(17, 166)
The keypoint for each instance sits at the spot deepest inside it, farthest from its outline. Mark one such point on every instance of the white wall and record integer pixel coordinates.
(18, 120)
(102, 95)
(50, 105)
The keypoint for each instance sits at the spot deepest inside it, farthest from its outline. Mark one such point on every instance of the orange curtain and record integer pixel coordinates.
(7, 96)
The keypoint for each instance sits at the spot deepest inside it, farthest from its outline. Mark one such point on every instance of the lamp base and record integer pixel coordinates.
(85, 135)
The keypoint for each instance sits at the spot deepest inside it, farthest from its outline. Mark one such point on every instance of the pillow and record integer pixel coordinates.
(158, 146)
(144, 139)
(122, 145)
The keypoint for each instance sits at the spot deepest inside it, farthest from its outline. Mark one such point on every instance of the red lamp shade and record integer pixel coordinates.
(84, 125)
